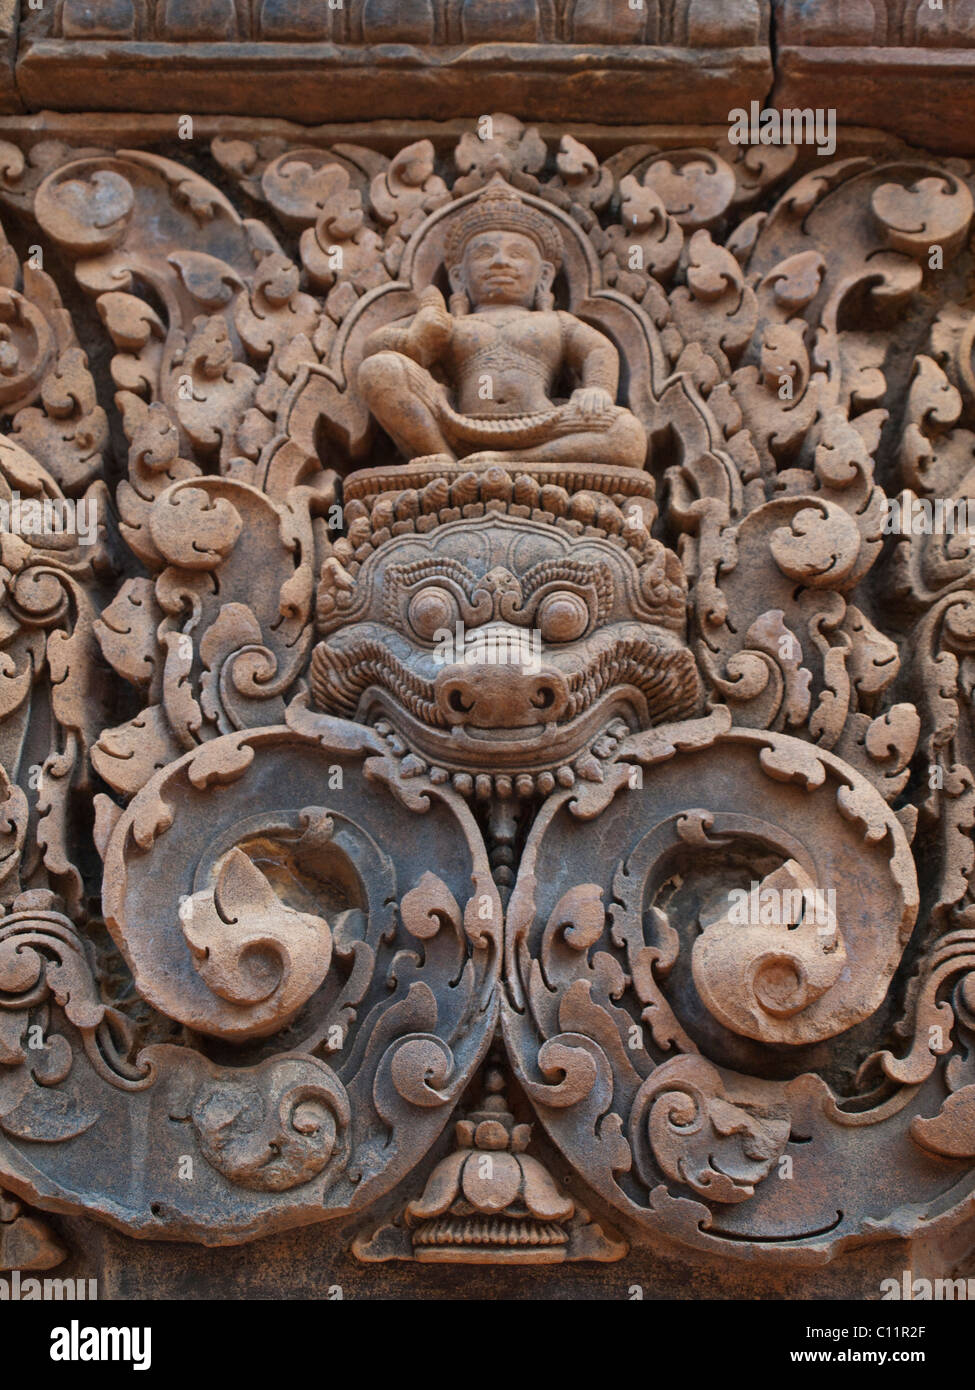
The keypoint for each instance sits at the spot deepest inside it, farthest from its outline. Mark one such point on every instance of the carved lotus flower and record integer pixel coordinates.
(489, 1200)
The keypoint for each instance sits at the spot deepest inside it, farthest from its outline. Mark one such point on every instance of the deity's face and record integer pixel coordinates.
(502, 268)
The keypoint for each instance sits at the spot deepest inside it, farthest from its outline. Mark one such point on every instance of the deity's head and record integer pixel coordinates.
(502, 251)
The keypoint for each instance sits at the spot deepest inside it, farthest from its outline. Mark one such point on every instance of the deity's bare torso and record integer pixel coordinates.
(505, 360)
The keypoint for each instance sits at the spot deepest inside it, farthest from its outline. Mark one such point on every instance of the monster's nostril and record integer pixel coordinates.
(544, 697)
(457, 703)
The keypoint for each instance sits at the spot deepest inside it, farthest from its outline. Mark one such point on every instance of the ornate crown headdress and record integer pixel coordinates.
(500, 206)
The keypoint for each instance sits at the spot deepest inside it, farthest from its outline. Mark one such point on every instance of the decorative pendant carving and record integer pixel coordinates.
(490, 1202)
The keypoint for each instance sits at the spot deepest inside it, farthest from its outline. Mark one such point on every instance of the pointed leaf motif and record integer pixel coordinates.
(428, 907)
(952, 1131)
(126, 632)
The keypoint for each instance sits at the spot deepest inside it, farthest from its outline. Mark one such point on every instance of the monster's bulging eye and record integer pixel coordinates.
(562, 617)
(431, 611)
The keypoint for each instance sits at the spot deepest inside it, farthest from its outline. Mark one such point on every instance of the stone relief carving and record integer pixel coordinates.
(317, 59)
(895, 22)
(428, 22)
(875, 60)
(494, 641)
(490, 1202)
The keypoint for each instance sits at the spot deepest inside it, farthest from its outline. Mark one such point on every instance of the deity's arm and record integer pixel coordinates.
(424, 337)
(392, 337)
(590, 353)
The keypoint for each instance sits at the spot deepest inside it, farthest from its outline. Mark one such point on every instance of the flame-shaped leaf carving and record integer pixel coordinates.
(253, 950)
(428, 906)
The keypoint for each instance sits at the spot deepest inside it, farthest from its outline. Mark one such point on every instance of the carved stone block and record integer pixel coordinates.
(686, 60)
(485, 708)
(907, 66)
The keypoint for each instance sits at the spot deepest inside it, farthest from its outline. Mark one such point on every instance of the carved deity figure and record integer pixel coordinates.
(501, 350)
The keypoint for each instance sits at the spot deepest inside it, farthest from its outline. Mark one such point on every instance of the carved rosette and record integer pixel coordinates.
(513, 620)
